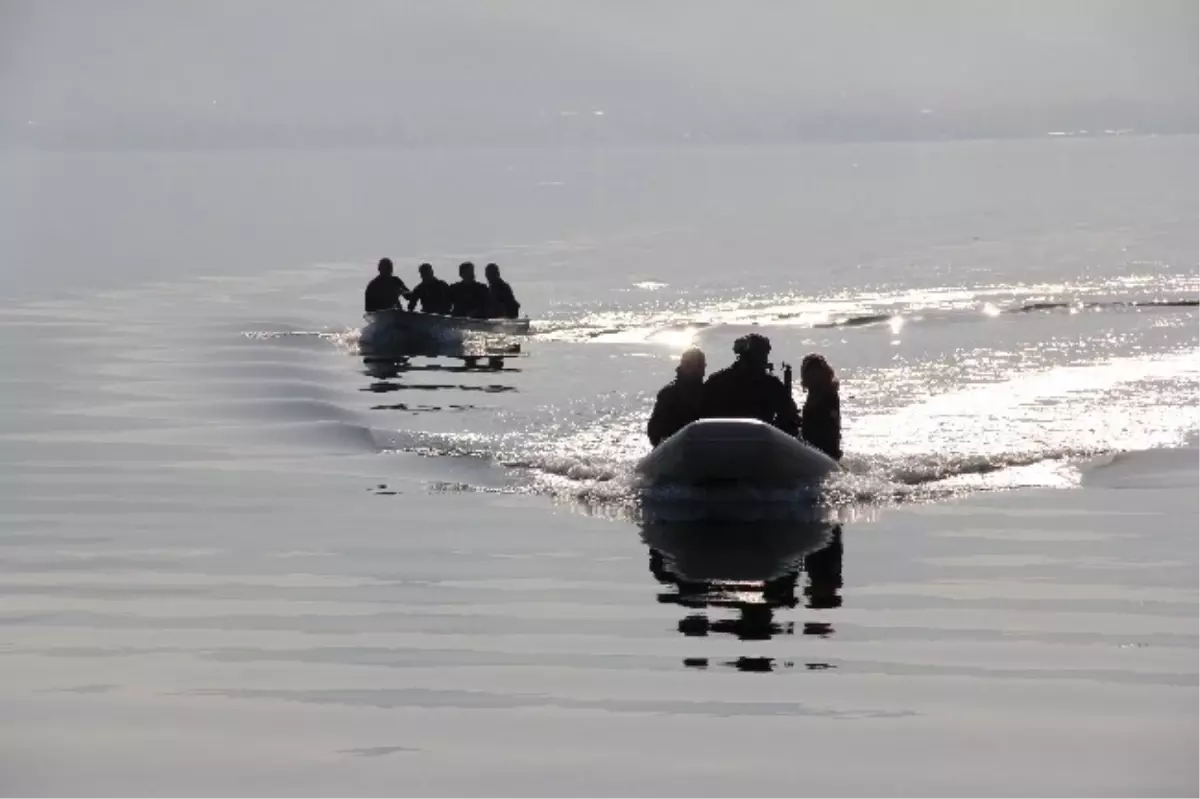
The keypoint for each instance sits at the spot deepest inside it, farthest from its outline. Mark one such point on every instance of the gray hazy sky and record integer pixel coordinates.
(507, 71)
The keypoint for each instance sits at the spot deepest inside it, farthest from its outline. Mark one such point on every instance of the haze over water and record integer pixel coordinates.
(237, 559)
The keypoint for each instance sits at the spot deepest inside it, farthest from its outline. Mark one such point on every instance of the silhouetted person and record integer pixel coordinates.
(385, 289)
(747, 389)
(504, 304)
(432, 292)
(678, 402)
(469, 297)
(821, 418)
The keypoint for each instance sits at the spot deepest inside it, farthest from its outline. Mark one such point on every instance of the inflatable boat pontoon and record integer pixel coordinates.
(734, 451)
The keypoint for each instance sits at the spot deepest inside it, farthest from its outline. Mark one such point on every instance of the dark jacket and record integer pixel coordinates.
(432, 294)
(821, 422)
(504, 304)
(746, 391)
(677, 406)
(384, 291)
(470, 299)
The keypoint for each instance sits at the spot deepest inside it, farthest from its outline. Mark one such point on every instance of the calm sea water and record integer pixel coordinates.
(219, 524)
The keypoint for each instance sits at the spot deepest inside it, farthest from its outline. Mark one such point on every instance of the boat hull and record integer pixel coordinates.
(734, 451)
(399, 320)
(396, 332)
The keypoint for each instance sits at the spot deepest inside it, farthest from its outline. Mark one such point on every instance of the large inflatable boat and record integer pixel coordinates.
(713, 452)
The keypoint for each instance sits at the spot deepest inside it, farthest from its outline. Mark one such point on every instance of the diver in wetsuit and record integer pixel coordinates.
(821, 418)
(504, 304)
(678, 402)
(469, 297)
(747, 389)
(385, 289)
(432, 292)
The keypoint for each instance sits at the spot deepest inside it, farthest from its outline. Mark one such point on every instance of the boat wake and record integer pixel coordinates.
(605, 484)
(679, 322)
(984, 409)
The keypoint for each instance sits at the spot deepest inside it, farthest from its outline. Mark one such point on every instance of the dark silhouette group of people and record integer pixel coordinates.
(748, 390)
(468, 297)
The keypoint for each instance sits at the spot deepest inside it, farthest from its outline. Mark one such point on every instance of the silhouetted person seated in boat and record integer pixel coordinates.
(504, 304)
(821, 418)
(748, 390)
(385, 289)
(678, 402)
(469, 297)
(432, 292)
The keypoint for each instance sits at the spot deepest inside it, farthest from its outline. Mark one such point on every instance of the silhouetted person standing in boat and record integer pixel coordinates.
(432, 292)
(678, 402)
(468, 296)
(821, 419)
(504, 304)
(747, 389)
(385, 289)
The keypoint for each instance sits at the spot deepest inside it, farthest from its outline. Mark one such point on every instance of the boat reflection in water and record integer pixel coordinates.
(386, 367)
(752, 567)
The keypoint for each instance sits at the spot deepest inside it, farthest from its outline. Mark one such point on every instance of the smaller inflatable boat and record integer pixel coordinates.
(712, 452)
(395, 332)
(397, 320)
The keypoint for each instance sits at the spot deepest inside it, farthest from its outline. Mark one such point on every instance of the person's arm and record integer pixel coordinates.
(415, 296)
(495, 303)
(835, 420)
(483, 302)
(787, 416)
(710, 399)
(656, 426)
